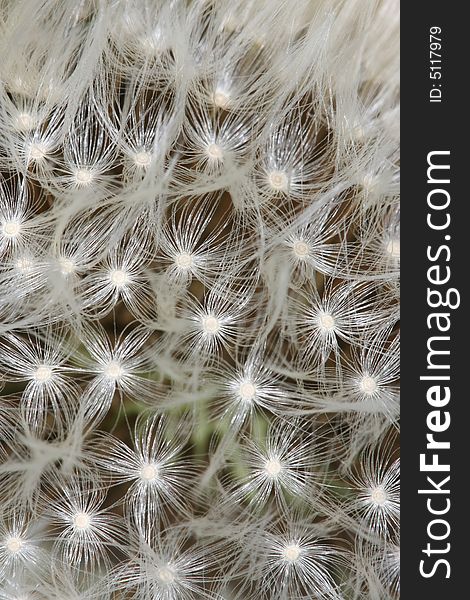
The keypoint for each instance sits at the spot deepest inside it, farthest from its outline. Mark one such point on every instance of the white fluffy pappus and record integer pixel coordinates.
(160, 477)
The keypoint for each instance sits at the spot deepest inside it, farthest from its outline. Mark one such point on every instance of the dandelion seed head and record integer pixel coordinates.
(291, 553)
(220, 216)
(118, 277)
(81, 521)
(14, 544)
(42, 374)
(278, 181)
(210, 325)
(11, 228)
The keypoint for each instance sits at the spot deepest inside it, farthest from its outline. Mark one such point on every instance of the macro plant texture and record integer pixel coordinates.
(199, 299)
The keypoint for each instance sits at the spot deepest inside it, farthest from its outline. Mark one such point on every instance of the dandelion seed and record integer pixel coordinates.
(291, 553)
(221, 99)
(11, 229)
(81, 521)
(247, 391)
(278, 181)
(20, 551)
(171, 567)
(88, 531)
(326, 321)
(122, 277)
(14, 545)
(166, 575)
(184, 261)
(210, 325)
(37, 151)
(368, 385)
(371, 377)
(378, 496)
(118, 366)
(142, 159)
(83, 177)
(113, 370)
(298, 564)
(279, 468)
(273, 467)
(67, 266)
(118, 277)
(39, 360)
(310, 245)
(343, 312)
(377, 486)
(211, 146)
(249, 388)
(300, 249)
(188, 245)
(214, 152)
(149, 472)
(159, 483)
(43, 373)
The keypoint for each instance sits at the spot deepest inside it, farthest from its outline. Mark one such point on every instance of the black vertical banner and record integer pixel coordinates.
(435, 350)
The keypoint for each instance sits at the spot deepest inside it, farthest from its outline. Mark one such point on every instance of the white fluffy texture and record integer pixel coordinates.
(199, 289)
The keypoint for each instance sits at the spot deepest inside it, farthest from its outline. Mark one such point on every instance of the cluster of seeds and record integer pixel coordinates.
(199, 300)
